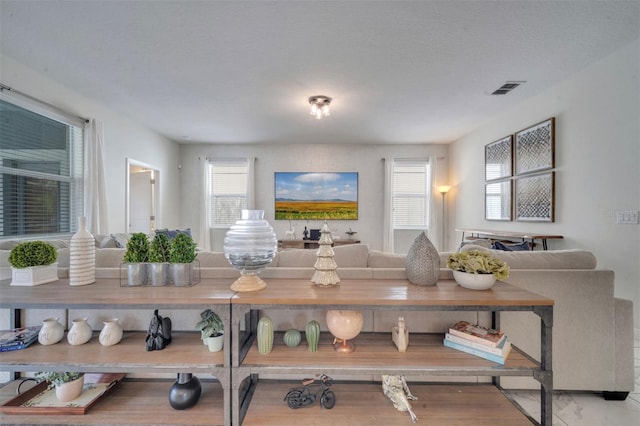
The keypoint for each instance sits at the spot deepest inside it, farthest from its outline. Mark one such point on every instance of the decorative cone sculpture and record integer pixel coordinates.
(325, 266)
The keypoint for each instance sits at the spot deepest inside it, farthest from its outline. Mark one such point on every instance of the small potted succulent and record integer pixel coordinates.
(182, 254)
(33, 263)
(211, 330)
(477, 269)
(159, 260)
(135, 258)
(68, 385)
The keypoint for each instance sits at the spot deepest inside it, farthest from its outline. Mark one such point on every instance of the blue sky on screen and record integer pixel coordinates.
(316, 186)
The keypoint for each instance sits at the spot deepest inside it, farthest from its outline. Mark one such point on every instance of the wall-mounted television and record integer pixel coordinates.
(316, 196)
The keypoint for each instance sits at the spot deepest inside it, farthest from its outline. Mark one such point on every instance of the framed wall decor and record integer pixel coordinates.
(498, 159)
(316, 196)
(534, 148)
(535, 197)
(497, 200)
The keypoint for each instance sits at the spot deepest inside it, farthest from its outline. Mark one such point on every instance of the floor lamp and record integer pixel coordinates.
(443, 189)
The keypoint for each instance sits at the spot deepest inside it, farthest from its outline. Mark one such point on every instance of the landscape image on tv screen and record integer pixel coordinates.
(316, 196)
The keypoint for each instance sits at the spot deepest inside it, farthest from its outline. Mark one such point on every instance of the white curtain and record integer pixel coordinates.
(435, 225)
(251, 184)
(95, 195)
(387, 221)
(204, 236)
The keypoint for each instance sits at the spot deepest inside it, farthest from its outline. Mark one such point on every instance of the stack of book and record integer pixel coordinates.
(480, 341)
(18, 338)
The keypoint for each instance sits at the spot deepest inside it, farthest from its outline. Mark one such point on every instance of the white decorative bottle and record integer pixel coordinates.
(51, 332)
(82, 256)
(111, 333)
(80, 332)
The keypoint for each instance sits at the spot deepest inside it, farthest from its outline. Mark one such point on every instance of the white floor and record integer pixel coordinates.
(586, 408)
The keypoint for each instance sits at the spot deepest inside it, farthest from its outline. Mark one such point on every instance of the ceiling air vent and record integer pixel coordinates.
(507, 87)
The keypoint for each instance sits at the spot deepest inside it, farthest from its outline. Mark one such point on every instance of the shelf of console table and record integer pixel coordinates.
(524, 236)
(375, 354)
(186, 353)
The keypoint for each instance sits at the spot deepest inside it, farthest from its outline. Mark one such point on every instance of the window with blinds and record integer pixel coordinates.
(410, 195)
(40, 171)
(228, 191)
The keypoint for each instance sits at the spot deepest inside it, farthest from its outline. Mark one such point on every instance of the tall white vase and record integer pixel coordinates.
(82, 256)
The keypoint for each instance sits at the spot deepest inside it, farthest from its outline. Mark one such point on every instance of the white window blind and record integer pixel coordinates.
(40, 169)
(228, 190)
(410, 195)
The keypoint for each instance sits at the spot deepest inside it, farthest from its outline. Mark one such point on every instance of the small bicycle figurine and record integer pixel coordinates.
(304, 397)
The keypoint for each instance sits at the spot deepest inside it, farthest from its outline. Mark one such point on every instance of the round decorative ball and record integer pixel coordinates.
(345, 325)
(292, 338)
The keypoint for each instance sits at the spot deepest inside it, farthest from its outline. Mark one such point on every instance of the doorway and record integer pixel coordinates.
(143, 181)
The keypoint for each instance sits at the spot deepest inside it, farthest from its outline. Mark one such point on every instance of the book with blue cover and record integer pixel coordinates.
(18, 338)
(499, 359)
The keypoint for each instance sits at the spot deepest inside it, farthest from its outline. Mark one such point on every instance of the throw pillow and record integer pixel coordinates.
(523, 246)
(476, 242)
(109, 242)
(173, 232)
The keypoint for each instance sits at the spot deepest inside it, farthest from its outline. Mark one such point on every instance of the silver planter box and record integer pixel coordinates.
(137, 274)
(159, 274)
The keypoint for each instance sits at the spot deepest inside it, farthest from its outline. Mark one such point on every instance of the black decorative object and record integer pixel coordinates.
(307, 395)
(185, 392)
(159, 333)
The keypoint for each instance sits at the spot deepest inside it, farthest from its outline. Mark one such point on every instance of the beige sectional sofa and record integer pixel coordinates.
(592, 333)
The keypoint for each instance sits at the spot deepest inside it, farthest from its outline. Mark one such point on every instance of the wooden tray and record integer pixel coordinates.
(19, 404)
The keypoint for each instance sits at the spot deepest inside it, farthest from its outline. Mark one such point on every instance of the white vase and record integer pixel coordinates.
(70, 390)
(82, 256)
(111, 333)
(474, 281)
(80, 332)
(51, 332)
(214, 343)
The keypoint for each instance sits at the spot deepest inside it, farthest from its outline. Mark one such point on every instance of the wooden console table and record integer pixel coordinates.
(256, 401)
(524, 236)
(311, 244)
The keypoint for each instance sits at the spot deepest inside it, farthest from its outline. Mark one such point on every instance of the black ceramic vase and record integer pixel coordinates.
(185, 392)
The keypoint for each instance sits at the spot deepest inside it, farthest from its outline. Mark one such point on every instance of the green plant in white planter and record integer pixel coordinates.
(68, 385)
(182, 254)
(158, 260)
(211, 329)
(135, 257)
(33, 263)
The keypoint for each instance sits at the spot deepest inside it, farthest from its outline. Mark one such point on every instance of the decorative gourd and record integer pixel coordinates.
(265, 335)
(292, 338)
(312, 333)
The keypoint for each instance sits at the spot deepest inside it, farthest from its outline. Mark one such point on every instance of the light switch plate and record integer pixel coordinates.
(627, 217)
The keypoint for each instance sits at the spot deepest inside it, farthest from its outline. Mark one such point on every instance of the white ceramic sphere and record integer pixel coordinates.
(345, 325)
(474, 281)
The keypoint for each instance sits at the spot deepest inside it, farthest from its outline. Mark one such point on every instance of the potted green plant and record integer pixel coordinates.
(477, 269)
(159, 260)
(182, 254)
(135, 258)
(68, 385)
(33, 263)
(211, 330)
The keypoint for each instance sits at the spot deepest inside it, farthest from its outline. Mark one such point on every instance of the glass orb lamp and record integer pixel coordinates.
(344, 325)
(249, 246)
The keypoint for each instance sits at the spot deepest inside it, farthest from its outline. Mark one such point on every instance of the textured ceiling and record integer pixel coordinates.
(241, 71)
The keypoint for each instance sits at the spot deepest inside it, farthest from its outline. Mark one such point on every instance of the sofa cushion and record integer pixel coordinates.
(523, 246)
(210, 259)
(347, 256)
(378, 259)
(109, 257)
(544, 259)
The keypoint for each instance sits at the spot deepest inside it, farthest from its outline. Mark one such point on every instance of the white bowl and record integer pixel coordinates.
(474, 281)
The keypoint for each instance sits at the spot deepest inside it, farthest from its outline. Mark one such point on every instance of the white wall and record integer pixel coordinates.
(366, 160)
(122, 138)
(597, 166)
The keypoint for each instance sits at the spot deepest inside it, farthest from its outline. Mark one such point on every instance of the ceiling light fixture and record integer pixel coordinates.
(320, 106)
